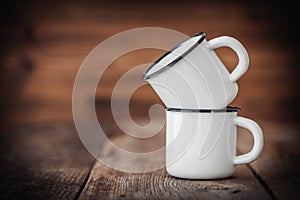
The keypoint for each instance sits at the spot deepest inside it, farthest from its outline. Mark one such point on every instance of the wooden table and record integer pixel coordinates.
(49, 162)
(41, 154)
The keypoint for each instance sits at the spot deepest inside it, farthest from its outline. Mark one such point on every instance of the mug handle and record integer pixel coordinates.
(257, 144)
(226, 41)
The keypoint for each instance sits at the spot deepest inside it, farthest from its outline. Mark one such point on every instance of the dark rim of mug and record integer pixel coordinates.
(145, 76)
(227, 109)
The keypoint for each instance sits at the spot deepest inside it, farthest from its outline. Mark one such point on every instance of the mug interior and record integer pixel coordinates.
(174, 55)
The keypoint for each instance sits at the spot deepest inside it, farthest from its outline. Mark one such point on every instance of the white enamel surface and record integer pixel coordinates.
(203, 145)
(200, 79)
(242, 54)
(258, 141)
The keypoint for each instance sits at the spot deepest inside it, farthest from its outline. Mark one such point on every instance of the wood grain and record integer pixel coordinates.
(108, 183)
(42, 162)
(105, 183)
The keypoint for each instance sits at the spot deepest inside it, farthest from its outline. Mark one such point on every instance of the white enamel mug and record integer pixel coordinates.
(201, 144)
(191, 75)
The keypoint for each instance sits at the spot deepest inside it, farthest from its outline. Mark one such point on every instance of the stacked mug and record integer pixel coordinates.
(197, 88)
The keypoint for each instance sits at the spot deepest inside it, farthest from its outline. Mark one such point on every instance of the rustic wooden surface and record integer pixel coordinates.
(41, 155)
(48, 161)
(109, 183)
(41, 162)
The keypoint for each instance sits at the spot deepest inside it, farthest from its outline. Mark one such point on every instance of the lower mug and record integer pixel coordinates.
(201, 143)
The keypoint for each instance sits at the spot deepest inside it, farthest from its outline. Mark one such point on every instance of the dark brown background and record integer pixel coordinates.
(44, 42)
(43, 45)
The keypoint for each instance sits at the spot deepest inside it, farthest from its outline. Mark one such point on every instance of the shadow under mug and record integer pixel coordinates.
(191, 75)
(201, 144)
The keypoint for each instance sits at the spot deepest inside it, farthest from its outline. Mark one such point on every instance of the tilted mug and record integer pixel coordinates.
(191, 75)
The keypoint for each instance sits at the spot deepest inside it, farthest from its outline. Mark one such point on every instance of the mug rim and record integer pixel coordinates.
(190, 110)
(170, 64)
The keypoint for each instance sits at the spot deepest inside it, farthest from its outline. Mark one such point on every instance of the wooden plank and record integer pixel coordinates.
(279, 165)
(42, 162)
(111, 184)
(108, 183)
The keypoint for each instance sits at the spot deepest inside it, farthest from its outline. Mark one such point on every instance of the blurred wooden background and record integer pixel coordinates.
(45, 43)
